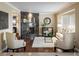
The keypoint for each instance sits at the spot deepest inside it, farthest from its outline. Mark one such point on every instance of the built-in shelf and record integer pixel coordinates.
(29, 27)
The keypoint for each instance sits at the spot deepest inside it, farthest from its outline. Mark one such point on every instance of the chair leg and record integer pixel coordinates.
(7, 49)
(54, 49)
(24, 49)
(13, 50)
(18, 50)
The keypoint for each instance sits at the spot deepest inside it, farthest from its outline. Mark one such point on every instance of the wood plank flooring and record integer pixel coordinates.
(29, 47)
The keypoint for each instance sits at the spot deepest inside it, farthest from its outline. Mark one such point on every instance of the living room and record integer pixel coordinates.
(39, 26)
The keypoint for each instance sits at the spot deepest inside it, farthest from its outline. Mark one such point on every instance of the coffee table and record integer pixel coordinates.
(48, 40)
(40, 42)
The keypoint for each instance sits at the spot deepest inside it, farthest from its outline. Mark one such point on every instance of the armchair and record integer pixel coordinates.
(0, 41)
(3, 45)
(13, 43)
(65, 41)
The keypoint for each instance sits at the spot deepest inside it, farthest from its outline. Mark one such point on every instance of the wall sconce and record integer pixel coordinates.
(30, 15)
(14, 20)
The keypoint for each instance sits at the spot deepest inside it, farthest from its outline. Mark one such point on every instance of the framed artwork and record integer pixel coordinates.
(3, 20)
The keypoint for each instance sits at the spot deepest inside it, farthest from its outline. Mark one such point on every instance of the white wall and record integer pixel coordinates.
(65, 20)
(77, 28)
(5, 7)
(8, 9)
(41, 19)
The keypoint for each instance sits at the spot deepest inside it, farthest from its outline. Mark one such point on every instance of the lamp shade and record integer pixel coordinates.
(30, 24)
(25, 20)
(30, 16)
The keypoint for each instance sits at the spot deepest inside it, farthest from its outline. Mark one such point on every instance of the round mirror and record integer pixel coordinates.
(47, 20)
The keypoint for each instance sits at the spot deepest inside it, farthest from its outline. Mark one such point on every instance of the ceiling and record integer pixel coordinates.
(38, 7)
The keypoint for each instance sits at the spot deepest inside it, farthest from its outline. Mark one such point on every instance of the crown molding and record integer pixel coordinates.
(12, 6)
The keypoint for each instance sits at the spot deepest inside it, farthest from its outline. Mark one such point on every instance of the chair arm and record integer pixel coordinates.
(23, 42)
(19, 43)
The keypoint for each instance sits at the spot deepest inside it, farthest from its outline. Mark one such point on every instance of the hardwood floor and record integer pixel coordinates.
(29, 47)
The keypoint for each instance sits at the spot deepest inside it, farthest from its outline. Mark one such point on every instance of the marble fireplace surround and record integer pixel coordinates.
(40, 42)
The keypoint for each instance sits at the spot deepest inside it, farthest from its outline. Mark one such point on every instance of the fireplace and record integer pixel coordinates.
(47, 31)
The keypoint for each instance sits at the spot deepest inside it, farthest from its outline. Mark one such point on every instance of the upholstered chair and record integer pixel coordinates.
(65, 41)
(1, 36)
(13, 43)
